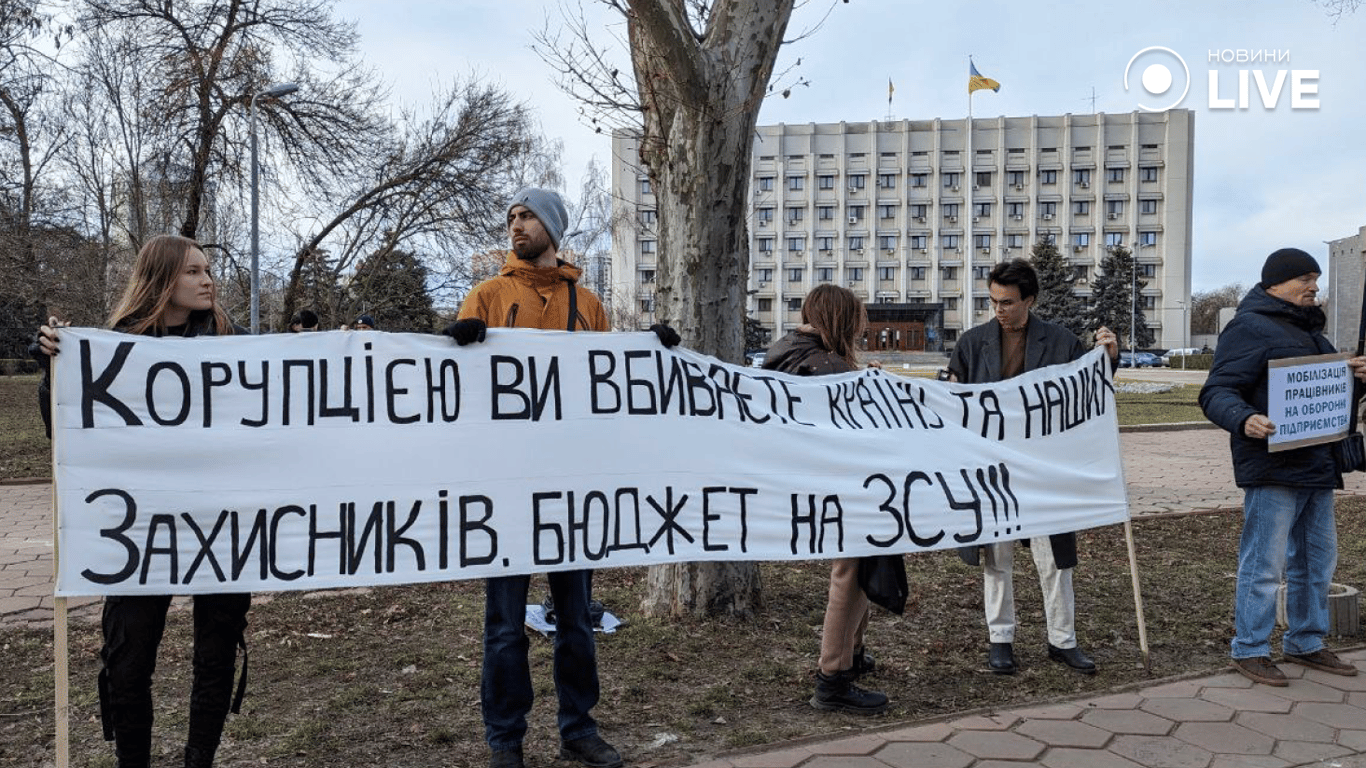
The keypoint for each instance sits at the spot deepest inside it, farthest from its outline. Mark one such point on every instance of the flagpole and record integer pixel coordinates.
(968, 311)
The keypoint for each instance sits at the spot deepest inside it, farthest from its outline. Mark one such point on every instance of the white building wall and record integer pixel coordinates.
(1342, 296)
(895, 212)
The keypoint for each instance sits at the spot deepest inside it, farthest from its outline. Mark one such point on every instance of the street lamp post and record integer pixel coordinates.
(283, 89)
(1185, 331)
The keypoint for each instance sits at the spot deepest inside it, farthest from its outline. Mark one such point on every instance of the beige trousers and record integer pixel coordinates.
(846, 618)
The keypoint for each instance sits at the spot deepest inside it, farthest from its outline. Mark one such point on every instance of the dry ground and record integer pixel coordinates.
(390, 677)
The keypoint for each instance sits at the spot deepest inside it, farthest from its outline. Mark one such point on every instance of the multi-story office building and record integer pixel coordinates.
(1342, 300)
(911, 215)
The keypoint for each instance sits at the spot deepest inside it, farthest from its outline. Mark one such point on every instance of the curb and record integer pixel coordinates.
(1178, 426)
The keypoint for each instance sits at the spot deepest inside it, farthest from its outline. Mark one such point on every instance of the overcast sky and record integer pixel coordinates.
(1264, 178)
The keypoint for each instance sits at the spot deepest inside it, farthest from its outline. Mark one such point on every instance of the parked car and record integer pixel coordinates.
(756, 359)
(1139, 360)
(1179, 353)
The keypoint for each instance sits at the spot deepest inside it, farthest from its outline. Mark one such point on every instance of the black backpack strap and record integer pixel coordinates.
(573, 304)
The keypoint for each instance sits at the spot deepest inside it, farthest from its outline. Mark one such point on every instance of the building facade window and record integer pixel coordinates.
(1081, 207)
(854, 273)
(1147, 206)
(1015, 210)
(855, 213)
(1048, 209)
(644, 186)
(765, 244)
(857, 181)
(886, 180)
(825, 212)
(825, 243)
(649, 217)
(981, 209)
(796, 244)
(764, 305)
(763, 215)
(887, 211)
(981, 303)
(1081, 239)
(794, 305)
(796, 183)
(647, 276)
(855, 242)
(825, 181)
(795, 215)
(794, 275)
(952, 179)
(1015, 179)
(950, 210)
(982, 179)
(765, 274)
(1082, 177)
(982, 242)
(886, 273)
(1114, 208)
(1147, 173)
(766, 183)
(1015, 240)
(1114, 175)
(825, 274)
(648, 246)
(981, 272)
(886, 242)
(1113, 239)
(950, 303)
(1147, 238)
(1048, 177)
(1147, 270)
(1081, 273)
(919, 273)
(920, 242)
(950, 242)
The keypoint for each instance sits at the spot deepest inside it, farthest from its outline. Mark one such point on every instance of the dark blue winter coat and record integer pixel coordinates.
(1265, 328)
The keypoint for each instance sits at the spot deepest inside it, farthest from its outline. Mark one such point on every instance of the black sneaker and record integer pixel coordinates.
(591, 751)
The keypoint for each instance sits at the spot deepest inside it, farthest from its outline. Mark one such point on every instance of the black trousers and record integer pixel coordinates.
(133, 627)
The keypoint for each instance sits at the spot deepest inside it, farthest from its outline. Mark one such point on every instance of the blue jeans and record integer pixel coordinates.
(1290, 531)
(505, 691)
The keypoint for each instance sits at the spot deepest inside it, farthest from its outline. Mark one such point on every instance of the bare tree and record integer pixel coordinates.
(201, 64)
(433, 185)
(699, 73)
(1205, 306)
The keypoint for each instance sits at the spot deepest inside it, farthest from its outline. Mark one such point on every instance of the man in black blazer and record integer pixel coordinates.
(1012, 342)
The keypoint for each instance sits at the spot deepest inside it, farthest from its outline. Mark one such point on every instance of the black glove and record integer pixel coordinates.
(667, 336)
(466, 331)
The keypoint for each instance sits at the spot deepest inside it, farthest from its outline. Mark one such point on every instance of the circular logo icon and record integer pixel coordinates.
(1157, 77)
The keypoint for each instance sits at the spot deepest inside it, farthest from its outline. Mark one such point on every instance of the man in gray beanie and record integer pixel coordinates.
(1288, 524)
(536, 289)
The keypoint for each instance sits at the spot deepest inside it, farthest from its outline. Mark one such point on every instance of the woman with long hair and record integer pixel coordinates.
(825, 343)
(170, 293)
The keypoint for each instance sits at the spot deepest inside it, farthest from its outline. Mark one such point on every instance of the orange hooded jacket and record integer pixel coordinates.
(523, 296)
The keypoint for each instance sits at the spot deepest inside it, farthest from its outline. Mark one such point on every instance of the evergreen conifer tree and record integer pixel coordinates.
(1114, 292)
(1056, 301)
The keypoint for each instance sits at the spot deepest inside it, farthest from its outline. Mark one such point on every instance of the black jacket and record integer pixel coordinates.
(802, 354)
(200, 324)
(1264, 329)
(977, 360)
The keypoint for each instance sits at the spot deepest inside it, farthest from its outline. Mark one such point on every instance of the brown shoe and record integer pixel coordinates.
(1259, 669)
(1323, 660)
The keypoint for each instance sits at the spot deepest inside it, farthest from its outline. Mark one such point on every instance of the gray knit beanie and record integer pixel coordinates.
(1287, 264)
(548, 207)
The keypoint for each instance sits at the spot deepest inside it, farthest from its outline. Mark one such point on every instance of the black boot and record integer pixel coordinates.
(838, 692)
(133, 747)
(863, 663)
(199, 757)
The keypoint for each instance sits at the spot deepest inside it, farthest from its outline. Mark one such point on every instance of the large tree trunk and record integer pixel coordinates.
(701, 94)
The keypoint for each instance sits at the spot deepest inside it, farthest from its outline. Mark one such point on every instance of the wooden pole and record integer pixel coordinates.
(1138, 598)
(61, 673)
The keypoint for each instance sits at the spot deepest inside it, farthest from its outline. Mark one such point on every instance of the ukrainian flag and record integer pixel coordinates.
(976, 82)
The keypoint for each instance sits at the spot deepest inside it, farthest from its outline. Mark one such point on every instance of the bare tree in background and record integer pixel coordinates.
(198, 66)
(434, 184)
(1205, 306)
(699, 73)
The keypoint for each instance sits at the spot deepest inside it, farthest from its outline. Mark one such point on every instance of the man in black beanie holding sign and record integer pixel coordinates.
(1288, 524)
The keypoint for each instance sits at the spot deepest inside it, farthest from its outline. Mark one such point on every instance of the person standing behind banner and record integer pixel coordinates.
(170, 293)
(536, 289)
(1288, 525)
(832, 321)
(1011, 343)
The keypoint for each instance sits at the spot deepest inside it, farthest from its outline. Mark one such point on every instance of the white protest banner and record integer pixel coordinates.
(336, 459)
(1309, 399)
